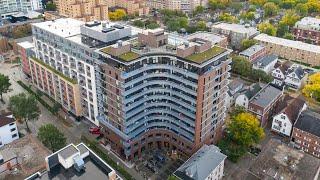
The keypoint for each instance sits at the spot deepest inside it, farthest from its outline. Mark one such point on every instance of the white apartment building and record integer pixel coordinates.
(8, 7)
(8, 129)
(58, 44)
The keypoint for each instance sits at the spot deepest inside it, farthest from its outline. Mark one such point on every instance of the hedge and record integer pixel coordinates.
(95, 147)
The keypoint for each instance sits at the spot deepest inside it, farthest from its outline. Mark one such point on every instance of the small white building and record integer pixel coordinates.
(206, 164)
(8, 129)
(244, 97)
(265, 63)
(283, 122)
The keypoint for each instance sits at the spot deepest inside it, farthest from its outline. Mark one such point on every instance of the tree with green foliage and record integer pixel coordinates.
(283, 28)
(259, 3)
(290, 18)
(302, 9)
(21, 31)
(4, 85)
(198, 10)
(246, 43)
(24, 107)
(270, 9)
(243, 130)
(201, 26)
(267, 28)
(227, 17)
(241, 66)
(259, 75)
(51, 137)
(288, 36)
(312, 88)
(50, 6)
(247, 15)
(287, 4)
(172, 177)
(313, 6)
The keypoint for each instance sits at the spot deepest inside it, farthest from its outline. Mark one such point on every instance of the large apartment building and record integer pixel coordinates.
(9, 7)
(308, 30)
(180, 5)
(144, 90)
(290, 49)
(137, 7)
(84, 10)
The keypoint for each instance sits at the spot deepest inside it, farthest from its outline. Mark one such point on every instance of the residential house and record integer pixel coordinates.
(235, 86)
(289, 74)
(279, 72)
(245, 96)
(206, 163)
(254, 52)
(264, 102)
(295, 77)
(8, 129)
(291, 109)
(306, 132)
(265, 63)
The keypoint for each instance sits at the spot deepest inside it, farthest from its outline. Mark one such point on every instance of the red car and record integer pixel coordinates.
(95, 130)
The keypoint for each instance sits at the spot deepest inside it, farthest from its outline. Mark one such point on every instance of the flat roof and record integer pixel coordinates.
(26, 44)
(201, 163)
(236, 28)
(279, 161)
(64, 27)
(265, 96)
(68, 151)
(309, 121)
(209, 36)
(206, 55)
(309, 23)
(252, 50)
(288, 43)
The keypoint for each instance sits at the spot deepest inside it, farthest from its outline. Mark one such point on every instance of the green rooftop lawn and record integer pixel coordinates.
(55, 71)
(129, 56)
(206, 55)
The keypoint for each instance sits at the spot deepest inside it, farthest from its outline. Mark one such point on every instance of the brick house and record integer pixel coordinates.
(306, 133)
(264, 102)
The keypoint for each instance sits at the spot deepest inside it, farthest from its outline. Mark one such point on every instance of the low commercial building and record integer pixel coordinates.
(265, 63)
(254, 52)
(290, 110)
(307, 30)
(290, 49)
(206, 163)
(306, 133)
(264, 103)
(235, 32)
(8, 129)
(75, 162)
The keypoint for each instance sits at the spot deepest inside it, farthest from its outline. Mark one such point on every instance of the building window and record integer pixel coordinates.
(15, 135)
(11, 124)
(13, 129)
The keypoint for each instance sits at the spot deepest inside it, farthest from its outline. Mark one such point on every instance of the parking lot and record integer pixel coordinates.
(157, 164)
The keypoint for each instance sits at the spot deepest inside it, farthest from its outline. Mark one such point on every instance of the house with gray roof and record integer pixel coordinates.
(254, 52)
(246, 94)
(264, 103)
(295, 77)
(265, 63)
(206, 163)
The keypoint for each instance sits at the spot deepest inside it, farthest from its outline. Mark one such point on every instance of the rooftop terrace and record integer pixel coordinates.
(206, 55)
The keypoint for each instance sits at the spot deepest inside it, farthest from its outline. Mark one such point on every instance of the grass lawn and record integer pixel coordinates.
(206, 55)
(129, 56)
